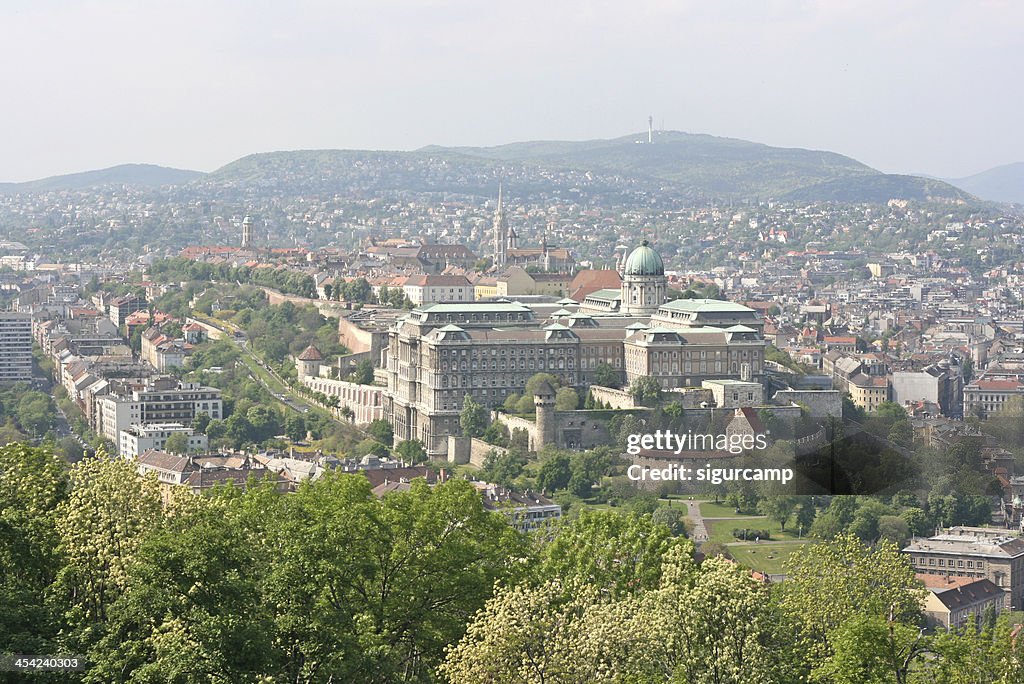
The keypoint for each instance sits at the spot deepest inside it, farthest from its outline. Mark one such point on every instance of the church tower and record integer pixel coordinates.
(500, 233)
(644, 285)
(247, 232)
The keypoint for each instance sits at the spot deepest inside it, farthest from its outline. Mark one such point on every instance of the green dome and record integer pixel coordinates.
(644, 261)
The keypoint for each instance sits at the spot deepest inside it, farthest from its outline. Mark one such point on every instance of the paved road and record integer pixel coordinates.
(700, 531)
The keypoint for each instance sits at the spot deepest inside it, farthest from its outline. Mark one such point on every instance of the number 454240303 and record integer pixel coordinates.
(41, 663)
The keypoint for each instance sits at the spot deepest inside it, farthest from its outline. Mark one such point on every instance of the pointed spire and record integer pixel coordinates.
(500, 231)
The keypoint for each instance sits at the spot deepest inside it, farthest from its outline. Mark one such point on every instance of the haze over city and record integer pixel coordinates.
(922, 87)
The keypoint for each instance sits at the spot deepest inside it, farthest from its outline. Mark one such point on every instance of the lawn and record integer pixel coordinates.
(709, 509)
(767, 557)
(721, 530)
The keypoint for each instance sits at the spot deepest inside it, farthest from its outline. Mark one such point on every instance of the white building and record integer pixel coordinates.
(162, 401)
(422, 289)
(138, 439)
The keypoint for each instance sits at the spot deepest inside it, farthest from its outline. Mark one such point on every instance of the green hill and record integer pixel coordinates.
(676, 165)
(724, 167)
(143, 175)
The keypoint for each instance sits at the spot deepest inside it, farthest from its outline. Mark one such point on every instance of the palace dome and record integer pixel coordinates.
(644, 261)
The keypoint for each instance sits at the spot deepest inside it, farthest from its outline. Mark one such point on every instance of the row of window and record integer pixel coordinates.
(538, 364)
(523, 351)
(943, 563)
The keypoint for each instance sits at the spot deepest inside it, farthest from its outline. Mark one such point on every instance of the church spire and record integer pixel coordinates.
(500, 232)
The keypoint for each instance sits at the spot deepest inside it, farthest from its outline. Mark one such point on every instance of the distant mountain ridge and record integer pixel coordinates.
(144, 175)
(1000, 184)
(683, 164)
(676, 166)
(726, 167)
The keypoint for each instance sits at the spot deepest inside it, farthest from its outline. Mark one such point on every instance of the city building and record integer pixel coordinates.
(138, 439)
(940, 384)
(200, 474)
(976, 552)
(159, 400)
(121, 307)
(985, 396)
(868, 391)
(526, 511)
(422, 289)
(440, 353)
(15, 346)
(952, 602)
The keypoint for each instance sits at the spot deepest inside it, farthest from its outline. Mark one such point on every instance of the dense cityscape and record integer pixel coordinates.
(403, 420)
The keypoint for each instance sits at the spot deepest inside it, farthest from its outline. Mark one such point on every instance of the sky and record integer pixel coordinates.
(922, 86)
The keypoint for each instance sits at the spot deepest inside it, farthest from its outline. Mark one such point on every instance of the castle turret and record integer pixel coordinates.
(308, 363)
(544, 401)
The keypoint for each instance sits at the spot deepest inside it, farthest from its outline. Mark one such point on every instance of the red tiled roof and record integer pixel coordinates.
(311, 353)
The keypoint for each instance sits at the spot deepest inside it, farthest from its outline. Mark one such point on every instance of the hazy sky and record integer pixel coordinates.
(903, 85)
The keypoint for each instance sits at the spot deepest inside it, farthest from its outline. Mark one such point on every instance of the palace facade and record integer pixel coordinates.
(440, 353)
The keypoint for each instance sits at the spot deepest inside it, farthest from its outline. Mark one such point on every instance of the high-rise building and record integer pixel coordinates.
(15, 346)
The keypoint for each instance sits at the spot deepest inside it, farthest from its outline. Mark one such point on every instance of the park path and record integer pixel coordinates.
(700, 531)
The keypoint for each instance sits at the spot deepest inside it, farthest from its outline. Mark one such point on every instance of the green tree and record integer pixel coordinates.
(36, 413)
(295, 427)
(779, 508)
(895, 529)
(201, 422)
(529, 634)
(566, 399)
(503, 468)
(672, 517)
(607, 376)
(381, 431)
(872, 650)
(411, 451)
(645, 391)
(525, 404)
(984, 651)
(371, 447)
(917, 521)
(350, 599)
(363, 373)
(474, 418)
(901, 433)
(177, 443)
(101, 525)
(265, 422)
(805, 514)
(33, 486)
(709, 625)
(554, 473)
(616, 552)
(192, 603)
(496, 434)
(833, 582)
